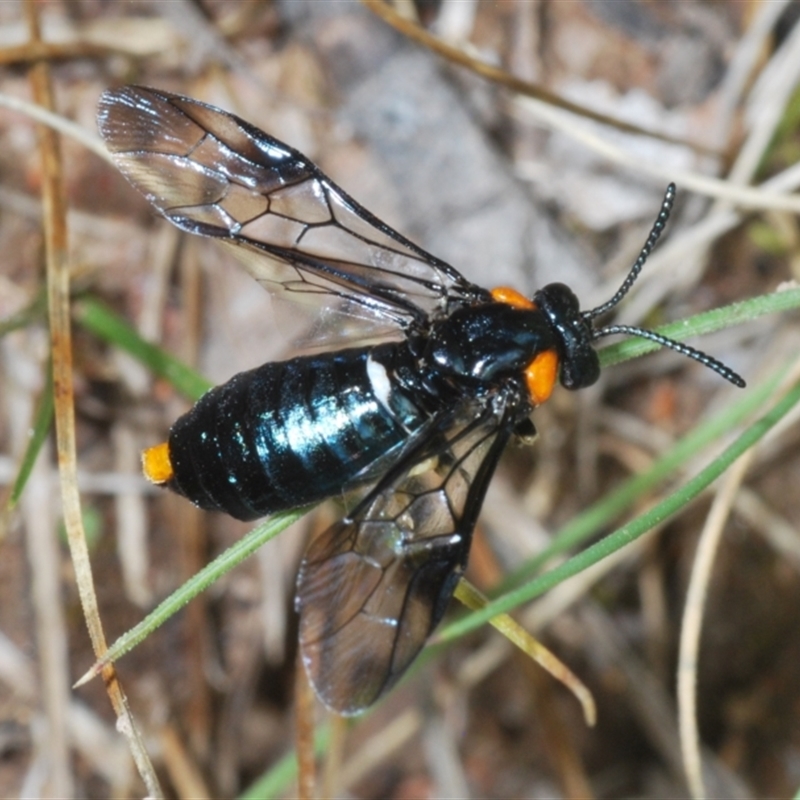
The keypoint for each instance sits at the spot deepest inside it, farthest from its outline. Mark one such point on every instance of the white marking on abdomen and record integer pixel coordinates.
(379, 381)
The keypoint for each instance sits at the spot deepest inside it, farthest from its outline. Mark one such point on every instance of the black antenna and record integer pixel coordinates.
(655, 232)
(630, 330)
(678, 347)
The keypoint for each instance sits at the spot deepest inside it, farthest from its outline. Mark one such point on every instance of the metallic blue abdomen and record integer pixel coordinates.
(291, 433)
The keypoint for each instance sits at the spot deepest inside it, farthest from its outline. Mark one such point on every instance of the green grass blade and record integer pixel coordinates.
(42, 423)
(707, 322)
(276, 781)
(34, 312)
(106, 324)
(618, 500)
(199, 582)
(629, 532)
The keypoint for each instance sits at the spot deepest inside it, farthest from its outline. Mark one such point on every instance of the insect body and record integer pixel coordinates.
(416, 421)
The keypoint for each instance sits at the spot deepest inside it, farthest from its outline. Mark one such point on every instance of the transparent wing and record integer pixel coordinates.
(372, 587)
(213, 174)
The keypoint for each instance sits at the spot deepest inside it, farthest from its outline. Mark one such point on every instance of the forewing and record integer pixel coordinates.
(211, 173)
(372, 587)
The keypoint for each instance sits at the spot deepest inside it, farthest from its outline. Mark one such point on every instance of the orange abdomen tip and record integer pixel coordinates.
(156, 464)
(503, 294)
(541, 376)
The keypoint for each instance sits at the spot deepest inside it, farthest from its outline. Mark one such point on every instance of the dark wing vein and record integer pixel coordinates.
(372, 587)
(211, 173)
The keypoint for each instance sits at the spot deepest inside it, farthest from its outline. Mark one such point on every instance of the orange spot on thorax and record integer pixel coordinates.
(504, 294)
(542, 373)
(541, 376)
